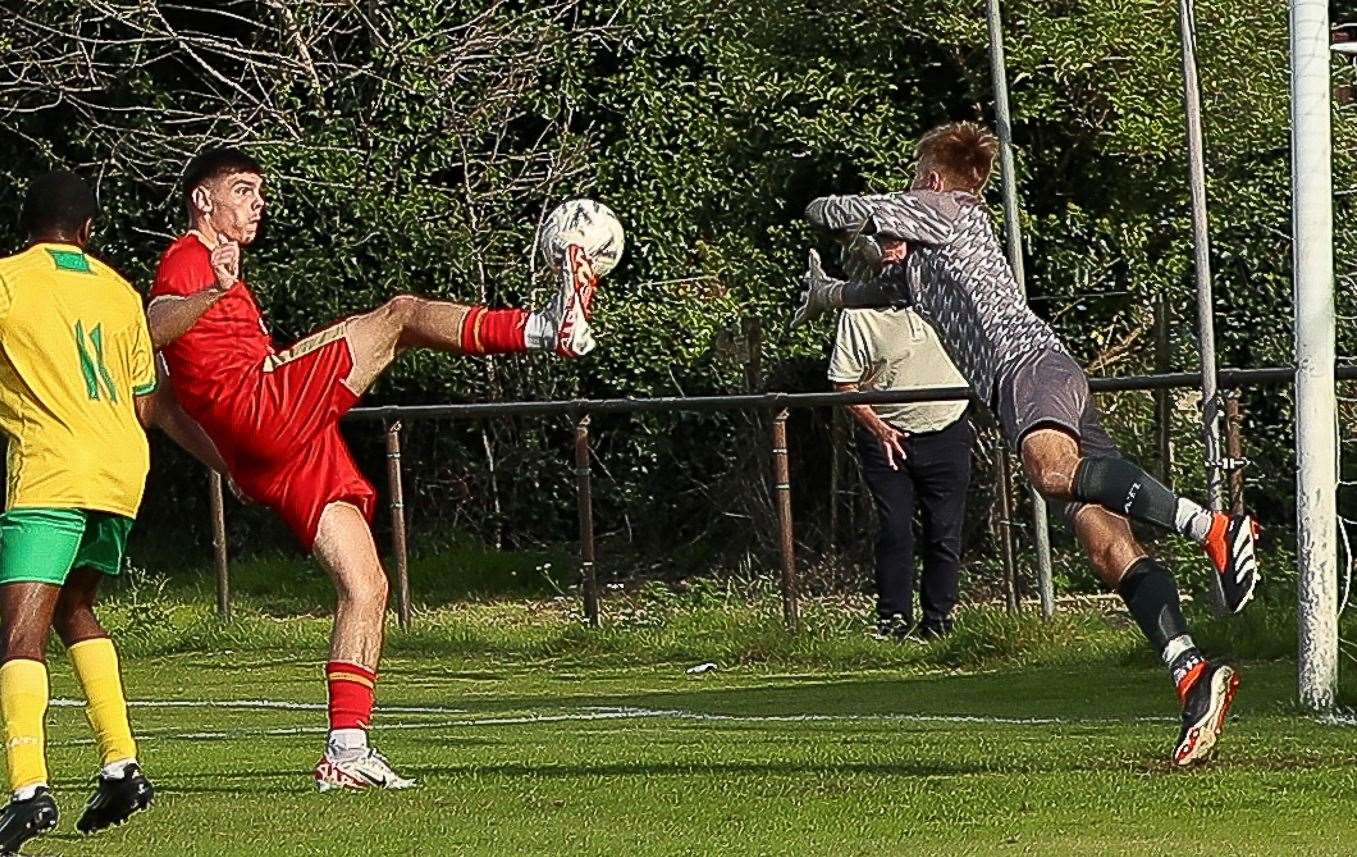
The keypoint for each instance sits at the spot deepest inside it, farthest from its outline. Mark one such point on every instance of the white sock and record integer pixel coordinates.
(344, 744)
(114, 770)
(539, 334)
(1176, 647)
(27, 792)
(1192, 520)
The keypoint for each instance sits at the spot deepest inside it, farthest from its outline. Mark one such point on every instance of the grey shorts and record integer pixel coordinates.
(1051, 391)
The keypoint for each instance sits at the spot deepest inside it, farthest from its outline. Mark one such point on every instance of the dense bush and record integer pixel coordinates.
(414, 146)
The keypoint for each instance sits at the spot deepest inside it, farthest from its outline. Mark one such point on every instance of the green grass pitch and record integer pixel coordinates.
(523, 756)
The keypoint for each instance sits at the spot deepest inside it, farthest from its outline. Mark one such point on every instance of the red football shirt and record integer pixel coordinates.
(216, 364)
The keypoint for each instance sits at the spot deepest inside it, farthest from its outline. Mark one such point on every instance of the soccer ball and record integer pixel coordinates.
(588, 224)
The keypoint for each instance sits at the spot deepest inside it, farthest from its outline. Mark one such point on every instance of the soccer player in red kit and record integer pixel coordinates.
(274, 414)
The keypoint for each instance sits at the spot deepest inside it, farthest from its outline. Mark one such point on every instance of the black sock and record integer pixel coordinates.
(1123, 487)
(1151, 594)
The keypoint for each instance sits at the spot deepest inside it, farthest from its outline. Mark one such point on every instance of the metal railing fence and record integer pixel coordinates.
(777, 405)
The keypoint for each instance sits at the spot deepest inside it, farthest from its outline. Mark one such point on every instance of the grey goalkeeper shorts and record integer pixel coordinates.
(1051, 391)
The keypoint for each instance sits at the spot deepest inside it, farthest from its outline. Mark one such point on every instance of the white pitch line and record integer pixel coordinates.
(258, 705)
(585, 715)
(620, 712)
(606, 713)
(682, 714)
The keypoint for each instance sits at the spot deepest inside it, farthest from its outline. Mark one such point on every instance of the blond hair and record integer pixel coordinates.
(961, 153)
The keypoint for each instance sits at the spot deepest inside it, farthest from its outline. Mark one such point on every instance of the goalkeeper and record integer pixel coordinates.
(934, 247)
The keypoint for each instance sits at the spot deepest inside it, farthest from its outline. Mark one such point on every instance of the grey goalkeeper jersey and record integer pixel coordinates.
(955, 275)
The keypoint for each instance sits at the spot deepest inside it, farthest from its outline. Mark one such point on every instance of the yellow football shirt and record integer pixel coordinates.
(74, 353)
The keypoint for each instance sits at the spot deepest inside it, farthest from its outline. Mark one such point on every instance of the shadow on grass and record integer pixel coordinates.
(1058, 694)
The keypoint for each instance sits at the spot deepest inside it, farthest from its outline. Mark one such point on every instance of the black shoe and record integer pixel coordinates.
(894, 627)
(1205, 706)
(931, 631)
(24, 819)
(116, 800)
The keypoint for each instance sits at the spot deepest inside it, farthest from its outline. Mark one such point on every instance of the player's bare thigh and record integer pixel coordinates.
(376, 338)
(365, 352)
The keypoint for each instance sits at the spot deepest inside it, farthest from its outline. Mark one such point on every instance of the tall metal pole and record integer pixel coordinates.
(1045, 582)
(1005, 488)
(1316, 406)
(1201, 256)
(1163, 403)
(999, 78)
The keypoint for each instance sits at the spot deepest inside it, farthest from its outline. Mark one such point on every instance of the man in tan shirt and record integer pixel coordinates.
(909, 452)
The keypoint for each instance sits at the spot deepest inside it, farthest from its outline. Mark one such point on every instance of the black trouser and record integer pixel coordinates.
(936, 472)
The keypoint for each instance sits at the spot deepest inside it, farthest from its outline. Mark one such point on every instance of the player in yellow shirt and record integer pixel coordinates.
(77, 383)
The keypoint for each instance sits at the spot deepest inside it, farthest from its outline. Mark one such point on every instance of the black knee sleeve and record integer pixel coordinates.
(1151, 594)
(1123, 487)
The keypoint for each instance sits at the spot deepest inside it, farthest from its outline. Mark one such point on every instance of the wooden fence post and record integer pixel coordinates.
(1234, 449)
(584, 494)
(782, 491)
(217, 503)
(394, 487)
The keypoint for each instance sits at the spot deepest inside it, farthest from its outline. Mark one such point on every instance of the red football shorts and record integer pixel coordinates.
(289, 455)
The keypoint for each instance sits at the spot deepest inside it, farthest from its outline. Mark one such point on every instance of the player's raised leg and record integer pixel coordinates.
(1056, 467)
(26, 609)
(123, 788)
(1229, 540)
(345, 549)
(376, 338)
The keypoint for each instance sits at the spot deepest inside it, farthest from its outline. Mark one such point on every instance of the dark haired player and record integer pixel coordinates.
(940, 254)
(77, 382)
(274, 414)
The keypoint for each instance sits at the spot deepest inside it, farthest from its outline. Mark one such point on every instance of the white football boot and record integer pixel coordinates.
(370, 770)
(566, 315)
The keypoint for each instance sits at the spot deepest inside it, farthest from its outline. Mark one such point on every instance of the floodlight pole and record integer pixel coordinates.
(999, 76)
(1201, 257)
(1316, 406)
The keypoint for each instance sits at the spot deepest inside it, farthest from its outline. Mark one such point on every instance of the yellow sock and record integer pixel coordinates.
(96, 666)
(23, 703)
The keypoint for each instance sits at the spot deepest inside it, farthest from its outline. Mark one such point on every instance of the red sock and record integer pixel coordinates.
(352, 691)
(494, 331)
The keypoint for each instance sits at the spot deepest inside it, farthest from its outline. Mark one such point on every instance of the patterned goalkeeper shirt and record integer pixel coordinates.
(956, 276)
